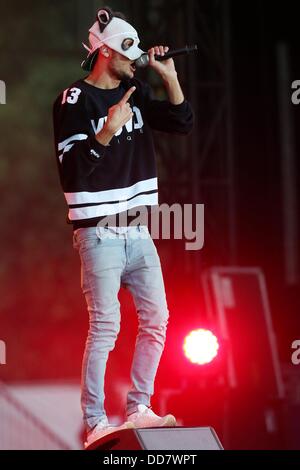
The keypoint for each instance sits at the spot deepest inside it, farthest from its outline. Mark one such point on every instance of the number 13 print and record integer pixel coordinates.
(74, 95)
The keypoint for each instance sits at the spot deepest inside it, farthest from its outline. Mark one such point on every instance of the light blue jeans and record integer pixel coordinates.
(109, 260)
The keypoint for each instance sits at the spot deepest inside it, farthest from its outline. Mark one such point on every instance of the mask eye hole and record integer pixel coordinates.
(127, 44)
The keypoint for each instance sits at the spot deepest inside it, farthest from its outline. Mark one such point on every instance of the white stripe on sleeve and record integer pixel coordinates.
(62, 145)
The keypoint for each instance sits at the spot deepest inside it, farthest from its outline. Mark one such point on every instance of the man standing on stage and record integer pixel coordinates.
(106, 161)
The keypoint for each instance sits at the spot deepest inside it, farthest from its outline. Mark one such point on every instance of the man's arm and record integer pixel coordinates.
(174, 90)
(168, 73)
(174, 115)
(77, 150)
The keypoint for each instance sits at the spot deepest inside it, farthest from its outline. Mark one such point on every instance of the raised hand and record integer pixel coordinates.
(165, 68)
(118, 115)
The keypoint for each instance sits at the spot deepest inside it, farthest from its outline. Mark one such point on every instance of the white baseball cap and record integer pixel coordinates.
(114, 32)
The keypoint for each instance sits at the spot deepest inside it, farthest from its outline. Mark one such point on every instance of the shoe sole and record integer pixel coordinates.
(127, 425)
(169, 420)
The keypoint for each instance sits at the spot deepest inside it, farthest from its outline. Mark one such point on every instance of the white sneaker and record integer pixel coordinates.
(102, 429)
(146, 418)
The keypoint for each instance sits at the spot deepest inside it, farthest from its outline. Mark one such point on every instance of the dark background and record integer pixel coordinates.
(233, 162)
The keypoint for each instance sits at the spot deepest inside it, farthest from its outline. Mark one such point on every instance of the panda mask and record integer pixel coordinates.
(114, 33)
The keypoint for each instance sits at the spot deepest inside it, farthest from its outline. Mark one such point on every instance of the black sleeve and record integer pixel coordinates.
(165, 116)
(77, 150)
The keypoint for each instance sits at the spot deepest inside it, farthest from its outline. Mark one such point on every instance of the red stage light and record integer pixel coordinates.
(200, 346)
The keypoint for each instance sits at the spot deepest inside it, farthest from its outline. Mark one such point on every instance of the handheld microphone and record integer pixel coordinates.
(143, 61)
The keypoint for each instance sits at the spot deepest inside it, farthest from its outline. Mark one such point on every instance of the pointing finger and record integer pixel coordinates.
(127, 95)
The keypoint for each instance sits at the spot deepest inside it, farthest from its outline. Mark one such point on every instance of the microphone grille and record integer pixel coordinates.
(143, 61)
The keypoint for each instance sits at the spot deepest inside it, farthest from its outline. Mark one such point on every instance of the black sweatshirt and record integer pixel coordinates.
(98, 180)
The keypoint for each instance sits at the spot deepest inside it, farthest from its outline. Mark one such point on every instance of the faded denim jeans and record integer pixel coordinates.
(110, 259)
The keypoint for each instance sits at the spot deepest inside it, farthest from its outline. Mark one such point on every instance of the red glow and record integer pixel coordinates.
(200, 346)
